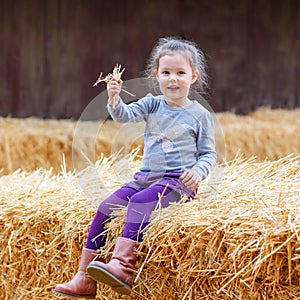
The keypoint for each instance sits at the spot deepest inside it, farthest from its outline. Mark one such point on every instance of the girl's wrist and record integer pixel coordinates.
(113, 101)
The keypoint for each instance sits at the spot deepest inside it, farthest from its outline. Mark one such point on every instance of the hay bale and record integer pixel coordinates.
(265, 133)
(240, 242)
(243, 244)
(34, 143)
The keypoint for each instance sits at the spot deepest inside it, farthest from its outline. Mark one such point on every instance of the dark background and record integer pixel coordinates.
(52, 51)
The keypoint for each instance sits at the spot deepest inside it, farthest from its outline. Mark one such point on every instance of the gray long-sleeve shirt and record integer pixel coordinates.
(175, 138)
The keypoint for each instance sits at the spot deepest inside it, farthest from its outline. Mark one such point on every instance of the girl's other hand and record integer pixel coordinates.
(113, 89)
(191, 179)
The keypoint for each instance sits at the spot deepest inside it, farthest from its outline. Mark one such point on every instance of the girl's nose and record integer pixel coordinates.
(172, 78)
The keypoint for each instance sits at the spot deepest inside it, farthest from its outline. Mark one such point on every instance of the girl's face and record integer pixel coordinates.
(175, 76)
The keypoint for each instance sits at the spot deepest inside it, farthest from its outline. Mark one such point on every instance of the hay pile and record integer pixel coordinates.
(240, 241)
(34, 143)
(265, 133)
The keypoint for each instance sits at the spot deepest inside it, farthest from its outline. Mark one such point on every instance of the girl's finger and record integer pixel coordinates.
(190, 179)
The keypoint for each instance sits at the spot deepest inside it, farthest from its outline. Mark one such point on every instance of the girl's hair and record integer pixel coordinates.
(169, 45)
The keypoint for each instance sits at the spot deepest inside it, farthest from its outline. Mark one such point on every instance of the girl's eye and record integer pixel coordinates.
(165, 72)
(181, 72)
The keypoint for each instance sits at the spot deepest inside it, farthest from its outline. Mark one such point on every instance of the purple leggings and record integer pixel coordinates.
(140, 205)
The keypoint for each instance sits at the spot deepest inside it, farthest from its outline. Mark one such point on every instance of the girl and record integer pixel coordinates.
(179, 153)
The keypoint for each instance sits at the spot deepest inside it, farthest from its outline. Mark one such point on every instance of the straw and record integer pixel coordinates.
(34, 143)
(241, 244)
(116, 74)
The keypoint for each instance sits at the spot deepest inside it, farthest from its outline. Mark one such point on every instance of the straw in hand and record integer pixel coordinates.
(116, 74)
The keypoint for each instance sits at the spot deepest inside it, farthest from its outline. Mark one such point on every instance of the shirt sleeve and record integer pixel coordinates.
(206, 146)
(133, 112)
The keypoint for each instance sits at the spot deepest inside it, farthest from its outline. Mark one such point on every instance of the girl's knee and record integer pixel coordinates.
(143, 198)
(111, 203)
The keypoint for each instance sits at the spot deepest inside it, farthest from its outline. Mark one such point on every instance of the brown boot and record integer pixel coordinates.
(118, 273)
(81, 286)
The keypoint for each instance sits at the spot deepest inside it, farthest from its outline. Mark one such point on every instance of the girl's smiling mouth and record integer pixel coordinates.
(173, 88)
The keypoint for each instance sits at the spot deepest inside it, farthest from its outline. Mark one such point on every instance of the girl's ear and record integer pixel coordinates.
(195, 76)
(156, 74)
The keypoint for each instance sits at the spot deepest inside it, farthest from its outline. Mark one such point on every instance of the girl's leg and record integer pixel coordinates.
(82, 286)
(118, 273)
(140, 207)
(119, 198)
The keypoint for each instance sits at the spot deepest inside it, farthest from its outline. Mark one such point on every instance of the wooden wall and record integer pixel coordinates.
(51, 51)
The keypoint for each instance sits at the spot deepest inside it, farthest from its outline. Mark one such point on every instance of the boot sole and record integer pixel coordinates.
(102, 275)
(74, 295)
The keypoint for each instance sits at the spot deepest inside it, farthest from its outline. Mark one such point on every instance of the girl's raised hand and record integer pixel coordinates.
(191, 179)
(114, 87)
